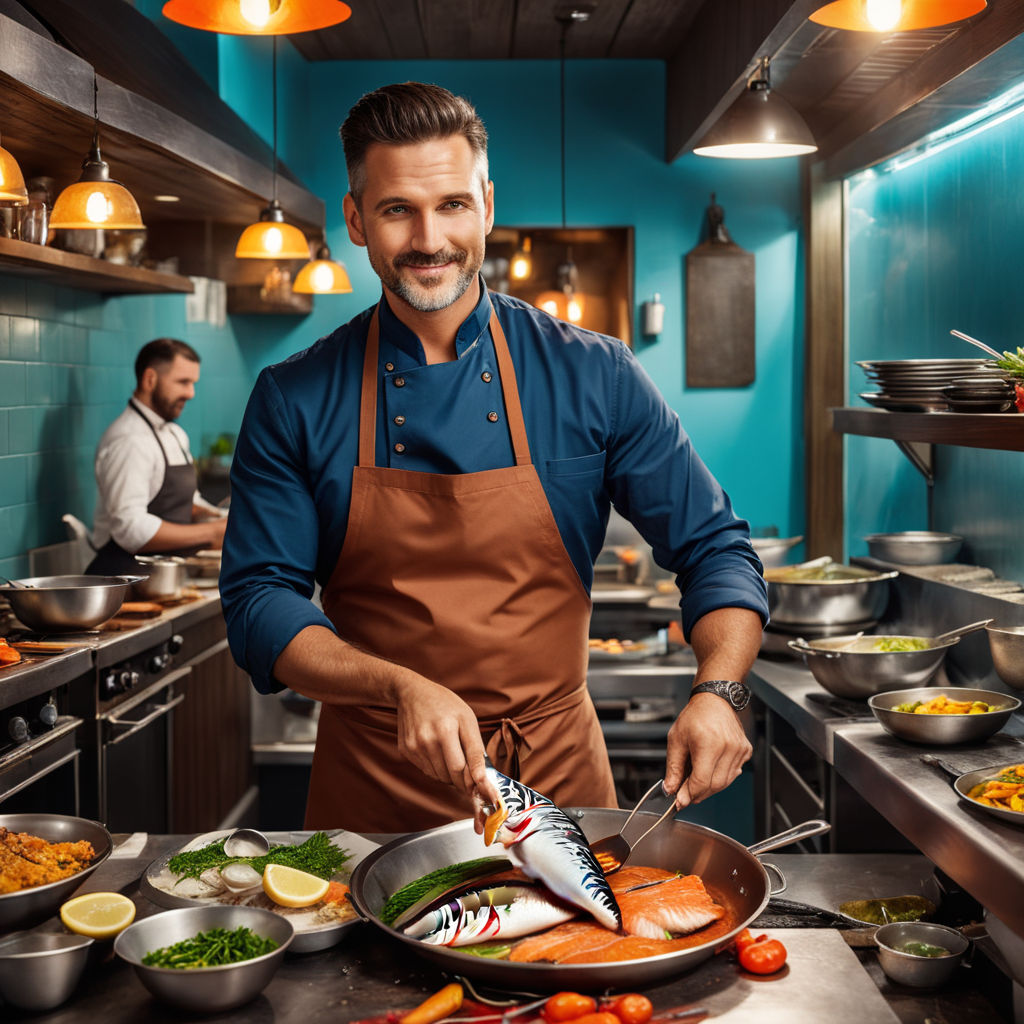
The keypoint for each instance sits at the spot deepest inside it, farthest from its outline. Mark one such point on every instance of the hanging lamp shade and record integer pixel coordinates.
(760, 125)
(895, 15)
(12, 181)
(257, 17)
(270, 238)
(96, 200)
(521, 266)
(323, 276)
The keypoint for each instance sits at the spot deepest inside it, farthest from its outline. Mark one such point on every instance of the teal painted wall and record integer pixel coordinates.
(935, 246)
(65, 356)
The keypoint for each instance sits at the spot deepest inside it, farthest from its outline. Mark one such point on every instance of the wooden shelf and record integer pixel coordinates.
(1000, 431)
(73, 270)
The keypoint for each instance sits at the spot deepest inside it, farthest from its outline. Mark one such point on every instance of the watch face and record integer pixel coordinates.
(738, 695)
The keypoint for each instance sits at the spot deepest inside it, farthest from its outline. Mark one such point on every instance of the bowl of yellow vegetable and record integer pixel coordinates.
(943, 715)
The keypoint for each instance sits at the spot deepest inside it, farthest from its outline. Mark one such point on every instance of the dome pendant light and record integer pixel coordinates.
(323, 276)
(96, 200)
(270, 238)
(12, 181)
(895, 15)
(760, 125)
(257, 17)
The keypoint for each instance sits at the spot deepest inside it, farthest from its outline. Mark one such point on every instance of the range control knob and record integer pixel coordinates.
(124, 680)
(158, 662)
(17, 728)
(133, 679)
(48, 714)
(110, 684)
(176, 643)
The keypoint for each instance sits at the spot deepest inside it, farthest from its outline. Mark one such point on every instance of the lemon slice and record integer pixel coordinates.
(100, 915)
(291, 887)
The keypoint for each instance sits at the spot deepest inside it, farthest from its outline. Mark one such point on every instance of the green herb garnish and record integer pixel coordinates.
(214, 948)
(1012, 362)
(437, 882)
(316, 856)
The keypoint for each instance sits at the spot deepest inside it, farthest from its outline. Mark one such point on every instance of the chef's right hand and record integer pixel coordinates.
(439, 734)
(217, 528)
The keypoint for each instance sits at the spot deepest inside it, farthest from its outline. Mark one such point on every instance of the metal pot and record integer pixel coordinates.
(858, 674)
(731, 871)
(62, 603)
(828, 602)
(167, 576)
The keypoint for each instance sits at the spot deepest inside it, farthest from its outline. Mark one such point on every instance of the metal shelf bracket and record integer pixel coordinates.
(921, 457)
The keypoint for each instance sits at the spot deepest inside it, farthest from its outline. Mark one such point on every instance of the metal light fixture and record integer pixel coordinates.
(12, 181)
(257, 17)
(323, 276)
(96, 200)
(895, 15)
(760, 125)
(270, 238)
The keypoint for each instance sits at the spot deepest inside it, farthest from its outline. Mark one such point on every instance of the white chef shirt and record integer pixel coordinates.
(130, 471)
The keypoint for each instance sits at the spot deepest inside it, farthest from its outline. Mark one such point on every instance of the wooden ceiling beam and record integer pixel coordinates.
(720, 50)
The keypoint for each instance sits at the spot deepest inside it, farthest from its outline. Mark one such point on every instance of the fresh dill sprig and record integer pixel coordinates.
(317, 856)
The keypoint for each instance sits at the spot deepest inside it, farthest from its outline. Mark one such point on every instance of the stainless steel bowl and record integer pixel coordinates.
(166, 577)
(828, 602)
(858, 674)
(38, 971)
(773, 550)
(27, 906)
(205, 989)
(1007, 646)
(919, 971)
(61, 603)
(915, 547)
(942, 730)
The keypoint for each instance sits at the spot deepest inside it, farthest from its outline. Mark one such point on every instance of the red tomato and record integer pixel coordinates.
(632, 1009)
(763, 957)
(744, 939)
(597, 1018)
(567, 1006)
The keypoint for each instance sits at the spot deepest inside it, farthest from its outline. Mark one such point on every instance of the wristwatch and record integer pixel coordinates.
(737, 694)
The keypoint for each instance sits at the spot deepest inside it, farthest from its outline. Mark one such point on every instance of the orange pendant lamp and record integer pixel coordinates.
(12, 181)
(257, 17)
(323, 276)
(895, 15)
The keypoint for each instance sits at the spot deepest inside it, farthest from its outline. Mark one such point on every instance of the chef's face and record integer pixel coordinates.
(171, 386)
(423, 218)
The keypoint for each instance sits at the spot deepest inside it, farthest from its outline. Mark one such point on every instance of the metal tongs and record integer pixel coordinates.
(613, 851)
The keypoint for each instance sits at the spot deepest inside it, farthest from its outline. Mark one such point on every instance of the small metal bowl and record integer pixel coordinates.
(1007, 646)
(919, 971)
(39, 971)
(942, 730)
(205, 989)
(914, 547)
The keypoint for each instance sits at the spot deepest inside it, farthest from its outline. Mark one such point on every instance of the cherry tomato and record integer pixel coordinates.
(567, 1006)
(744, 939)
(632, 1008)
(602, 1017)
(763, 957)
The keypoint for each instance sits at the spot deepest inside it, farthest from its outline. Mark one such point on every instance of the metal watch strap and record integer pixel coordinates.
(735, 693)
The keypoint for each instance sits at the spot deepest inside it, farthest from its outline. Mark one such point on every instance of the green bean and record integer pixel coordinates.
(214, 948)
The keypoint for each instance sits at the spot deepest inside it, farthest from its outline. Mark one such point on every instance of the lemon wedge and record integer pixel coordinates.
(291, 887)
(100, 915)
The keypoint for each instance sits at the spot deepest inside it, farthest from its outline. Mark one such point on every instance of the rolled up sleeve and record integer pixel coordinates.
(270, 547)
(658, 482)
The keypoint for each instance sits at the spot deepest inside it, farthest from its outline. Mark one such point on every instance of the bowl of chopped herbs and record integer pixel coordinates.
(206, 959)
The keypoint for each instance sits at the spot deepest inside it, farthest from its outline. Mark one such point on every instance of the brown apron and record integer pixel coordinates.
(463, 578)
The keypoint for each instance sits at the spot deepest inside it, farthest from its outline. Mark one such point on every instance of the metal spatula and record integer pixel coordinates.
(613, 851)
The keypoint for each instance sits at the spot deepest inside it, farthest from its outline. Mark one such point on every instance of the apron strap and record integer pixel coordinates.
(509, 390)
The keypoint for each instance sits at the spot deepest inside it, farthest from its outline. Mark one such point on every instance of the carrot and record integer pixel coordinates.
(442, 1003)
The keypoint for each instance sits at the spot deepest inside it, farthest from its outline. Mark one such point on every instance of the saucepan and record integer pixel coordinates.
(63, 603)
(730, 870)
(167, 575)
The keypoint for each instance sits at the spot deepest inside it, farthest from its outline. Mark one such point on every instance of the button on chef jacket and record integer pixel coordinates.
(599, 432)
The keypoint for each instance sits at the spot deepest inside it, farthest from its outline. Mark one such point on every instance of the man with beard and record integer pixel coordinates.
(147, 501)
(442, 466)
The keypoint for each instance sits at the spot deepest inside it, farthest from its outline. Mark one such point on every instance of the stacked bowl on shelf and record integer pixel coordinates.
(918, 385)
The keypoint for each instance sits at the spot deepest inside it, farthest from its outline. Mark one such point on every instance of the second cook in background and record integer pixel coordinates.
(443, 466)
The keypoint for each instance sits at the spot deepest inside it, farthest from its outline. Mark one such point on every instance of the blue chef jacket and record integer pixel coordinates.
(599, 432)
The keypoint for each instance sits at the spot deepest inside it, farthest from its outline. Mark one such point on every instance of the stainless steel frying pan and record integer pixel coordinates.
(963, 784)
(731, 871)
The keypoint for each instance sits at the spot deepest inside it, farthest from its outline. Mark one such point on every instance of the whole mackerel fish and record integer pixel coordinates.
(546, 844)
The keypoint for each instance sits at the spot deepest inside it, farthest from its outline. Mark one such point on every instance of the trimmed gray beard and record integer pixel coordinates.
(426, 298)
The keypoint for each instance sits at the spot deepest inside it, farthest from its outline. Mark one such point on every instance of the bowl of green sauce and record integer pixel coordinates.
(920, 954)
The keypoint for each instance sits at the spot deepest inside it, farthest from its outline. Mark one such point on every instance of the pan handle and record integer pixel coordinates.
(792, 835)
(774, 869)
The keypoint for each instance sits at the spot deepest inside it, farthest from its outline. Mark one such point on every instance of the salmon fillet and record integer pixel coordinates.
(631, 876)
(677, 905)
(626, 947)
(561, 941)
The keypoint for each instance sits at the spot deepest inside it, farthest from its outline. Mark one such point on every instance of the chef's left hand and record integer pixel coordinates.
(707, 749)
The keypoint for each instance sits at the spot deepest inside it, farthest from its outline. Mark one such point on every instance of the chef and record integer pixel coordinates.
(442, 466)
(147, 501)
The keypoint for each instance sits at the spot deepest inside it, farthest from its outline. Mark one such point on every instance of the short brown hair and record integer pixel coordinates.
(161, 351)
(407, 113)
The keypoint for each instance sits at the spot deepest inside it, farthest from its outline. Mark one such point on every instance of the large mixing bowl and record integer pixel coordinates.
(915, 547)
(942, 730)
(731, 872)
(62, 603)
(1007, 646)
(863, 594)
(856, 673)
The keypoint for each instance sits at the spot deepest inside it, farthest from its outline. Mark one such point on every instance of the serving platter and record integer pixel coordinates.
(165, 889)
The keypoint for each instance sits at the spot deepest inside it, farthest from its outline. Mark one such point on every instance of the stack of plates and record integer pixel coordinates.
(915, 385)
(979, 394)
